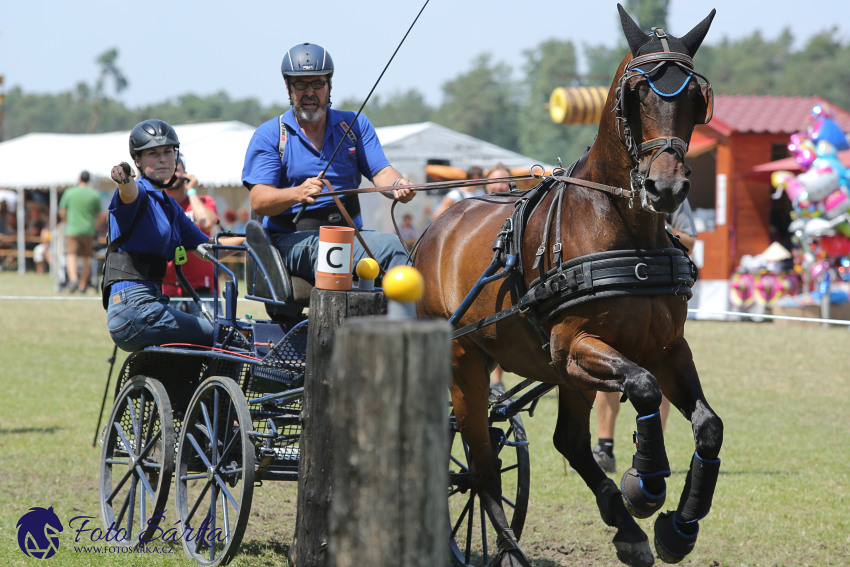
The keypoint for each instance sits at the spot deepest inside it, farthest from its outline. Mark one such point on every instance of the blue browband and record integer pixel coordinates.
(652, 85)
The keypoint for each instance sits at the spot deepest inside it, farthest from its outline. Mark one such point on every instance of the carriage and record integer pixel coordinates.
(217, 422)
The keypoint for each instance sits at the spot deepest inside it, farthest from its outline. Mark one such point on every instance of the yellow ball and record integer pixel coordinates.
(404, 284)
(367, 269)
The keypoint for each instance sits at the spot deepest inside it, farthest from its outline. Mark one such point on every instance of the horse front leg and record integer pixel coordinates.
(572, 439)
(594, 364)
(676, 532)
(470, 391)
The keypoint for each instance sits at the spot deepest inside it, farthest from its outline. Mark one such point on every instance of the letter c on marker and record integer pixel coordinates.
(331, 251)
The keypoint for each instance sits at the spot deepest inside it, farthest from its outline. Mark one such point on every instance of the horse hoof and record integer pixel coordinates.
(511, 559)
(671, 543)
(634, 554)
(640, 502)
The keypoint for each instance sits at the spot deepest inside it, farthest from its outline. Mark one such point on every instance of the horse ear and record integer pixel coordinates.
(693, 39)
(704, 105)
(634, 35)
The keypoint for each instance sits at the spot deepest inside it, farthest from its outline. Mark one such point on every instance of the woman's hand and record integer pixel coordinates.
(123, 175)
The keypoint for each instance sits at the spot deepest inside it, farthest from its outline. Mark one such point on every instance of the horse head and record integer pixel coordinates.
(658, 102)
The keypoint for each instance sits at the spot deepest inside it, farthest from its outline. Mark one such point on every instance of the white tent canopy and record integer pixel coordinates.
(215, 152)
(40, 161)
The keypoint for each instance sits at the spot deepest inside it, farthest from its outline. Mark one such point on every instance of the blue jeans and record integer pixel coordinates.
(299, 251)
(139, 316)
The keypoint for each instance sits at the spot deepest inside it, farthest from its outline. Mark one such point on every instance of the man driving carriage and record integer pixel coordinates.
(287, 154)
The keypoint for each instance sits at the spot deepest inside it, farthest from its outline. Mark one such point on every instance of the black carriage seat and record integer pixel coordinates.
(293, 293)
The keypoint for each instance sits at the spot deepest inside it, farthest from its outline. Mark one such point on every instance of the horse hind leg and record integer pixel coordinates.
(470, 391)
(676, 531)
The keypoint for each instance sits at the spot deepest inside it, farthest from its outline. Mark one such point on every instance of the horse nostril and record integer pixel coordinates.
(649, 184)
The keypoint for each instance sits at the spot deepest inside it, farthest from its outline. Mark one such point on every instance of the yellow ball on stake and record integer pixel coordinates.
(404, 286)
(367, 271)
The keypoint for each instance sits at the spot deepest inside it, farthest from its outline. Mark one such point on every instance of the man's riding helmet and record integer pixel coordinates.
(153, 134)
(307, 59)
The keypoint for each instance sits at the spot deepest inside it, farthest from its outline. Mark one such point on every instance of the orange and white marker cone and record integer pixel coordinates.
(403, 285)
(336, 254)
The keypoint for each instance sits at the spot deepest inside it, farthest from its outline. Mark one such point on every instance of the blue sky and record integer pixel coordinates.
(170, 48)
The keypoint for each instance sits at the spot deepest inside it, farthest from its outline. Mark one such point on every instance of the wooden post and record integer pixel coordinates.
(328, 309)
(390, 443)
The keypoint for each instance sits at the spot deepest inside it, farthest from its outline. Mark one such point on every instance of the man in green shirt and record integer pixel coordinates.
(80, 208)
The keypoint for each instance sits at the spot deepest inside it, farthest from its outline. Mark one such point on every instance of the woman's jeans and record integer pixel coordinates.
(139, 317)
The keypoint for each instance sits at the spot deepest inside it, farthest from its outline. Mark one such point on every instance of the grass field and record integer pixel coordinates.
(782, 498)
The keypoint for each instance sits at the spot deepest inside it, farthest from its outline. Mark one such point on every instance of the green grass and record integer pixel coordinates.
(782, 497)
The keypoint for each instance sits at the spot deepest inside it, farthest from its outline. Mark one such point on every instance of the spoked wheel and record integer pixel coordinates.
(137, 461)
(473, 537)
(215, 471)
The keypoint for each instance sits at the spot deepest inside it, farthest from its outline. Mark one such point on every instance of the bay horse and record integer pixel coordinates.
(632, 344)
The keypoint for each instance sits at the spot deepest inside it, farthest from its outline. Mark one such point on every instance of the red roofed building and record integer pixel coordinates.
(746, 131)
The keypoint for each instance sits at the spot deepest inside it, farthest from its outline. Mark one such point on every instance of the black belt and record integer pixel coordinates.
(313, 219)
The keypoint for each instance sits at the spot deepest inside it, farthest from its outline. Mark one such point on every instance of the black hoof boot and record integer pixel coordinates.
(672, 544)
(510, 554)
(640, 502)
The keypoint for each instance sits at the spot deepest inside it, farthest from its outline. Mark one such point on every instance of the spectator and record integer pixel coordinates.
(681, 224)
(36, 226)
(80, 208)
(229, 220)
(461, 193)
(244, 215)
(202, 211)
(498, 170)
(407, 231)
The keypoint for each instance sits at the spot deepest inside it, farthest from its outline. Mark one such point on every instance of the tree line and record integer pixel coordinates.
(485, 101)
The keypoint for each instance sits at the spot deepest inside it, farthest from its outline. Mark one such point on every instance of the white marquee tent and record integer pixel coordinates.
(215, 152)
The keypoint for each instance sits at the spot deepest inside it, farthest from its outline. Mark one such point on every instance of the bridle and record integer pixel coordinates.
(661, 144)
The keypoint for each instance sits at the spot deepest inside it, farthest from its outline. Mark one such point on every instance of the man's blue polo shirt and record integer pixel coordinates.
(301, 160)
(163, 226)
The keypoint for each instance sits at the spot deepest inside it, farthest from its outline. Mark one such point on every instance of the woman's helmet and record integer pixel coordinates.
(152, 134)
(307, 59)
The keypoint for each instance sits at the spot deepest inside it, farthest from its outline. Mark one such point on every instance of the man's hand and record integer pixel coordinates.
(191, 181)
(122, 173)
(306, 192)
(403, 195)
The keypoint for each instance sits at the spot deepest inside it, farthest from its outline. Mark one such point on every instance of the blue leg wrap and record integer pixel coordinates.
(699, 490)
(643, 486)
(651, 456)
(672, 543)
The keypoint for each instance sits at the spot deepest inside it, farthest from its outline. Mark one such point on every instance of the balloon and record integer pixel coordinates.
(822, 110)
(836, 203)
(741, 289)
(828, 130)
(821, 180)
(767, 289)
(803, 150)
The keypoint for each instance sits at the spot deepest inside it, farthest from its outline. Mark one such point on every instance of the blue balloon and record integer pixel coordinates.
(827, 129)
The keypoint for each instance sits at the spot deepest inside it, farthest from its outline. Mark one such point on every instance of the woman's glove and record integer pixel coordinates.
(122, 173)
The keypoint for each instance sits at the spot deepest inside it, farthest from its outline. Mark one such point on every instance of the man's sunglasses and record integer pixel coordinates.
(302, 85)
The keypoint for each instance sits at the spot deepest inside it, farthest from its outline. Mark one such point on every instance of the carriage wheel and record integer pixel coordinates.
(137, 461)
(215, 471)
(472, 535)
